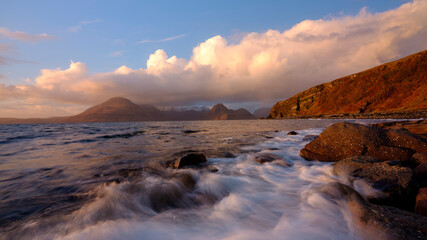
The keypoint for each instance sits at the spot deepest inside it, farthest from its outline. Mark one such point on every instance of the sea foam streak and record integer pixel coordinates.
(243, 200)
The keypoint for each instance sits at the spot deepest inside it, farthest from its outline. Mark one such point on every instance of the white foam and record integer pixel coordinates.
(253, 201)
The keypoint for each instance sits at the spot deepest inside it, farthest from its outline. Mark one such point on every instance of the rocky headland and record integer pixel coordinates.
(392, 90)
(384, 169)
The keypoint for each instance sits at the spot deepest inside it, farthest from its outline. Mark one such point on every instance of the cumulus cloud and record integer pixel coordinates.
(265, 66)
(23, 36)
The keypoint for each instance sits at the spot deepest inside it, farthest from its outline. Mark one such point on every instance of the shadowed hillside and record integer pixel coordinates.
(117, 109)
(221, 112)
(395, 87)
(120, 109)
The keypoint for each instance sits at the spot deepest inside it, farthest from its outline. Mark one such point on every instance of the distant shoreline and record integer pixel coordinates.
(402, 116)
(389, 115)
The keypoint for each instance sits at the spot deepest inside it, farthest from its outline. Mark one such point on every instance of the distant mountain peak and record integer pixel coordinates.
(117, 100)
(221, 112)
(219, 108)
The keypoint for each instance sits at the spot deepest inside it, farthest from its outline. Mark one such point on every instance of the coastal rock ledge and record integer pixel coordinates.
(343, 140)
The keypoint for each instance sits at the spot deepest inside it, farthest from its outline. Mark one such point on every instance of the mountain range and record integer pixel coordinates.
(120, 109)
(396, 89)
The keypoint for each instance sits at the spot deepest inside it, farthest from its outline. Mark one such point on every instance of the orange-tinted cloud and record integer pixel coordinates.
(23, 36)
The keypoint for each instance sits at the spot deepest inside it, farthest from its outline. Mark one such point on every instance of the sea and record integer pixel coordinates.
(109, 181)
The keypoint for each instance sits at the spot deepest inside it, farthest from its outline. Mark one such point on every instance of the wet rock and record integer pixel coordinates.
(187, 180)
(347, 166)
(393, 180)
(421, 202)
(165, 197)
(338, 191)
(268, 157)
(405, 139)
(130, 173)
(190, 159)
(190, 131)
(309, 137)
(384, 222)
(173, 193)
(417, 127)
(282, 163)
(228, 155)
(212, 169)
(420, 173)
(419, 158)
(343, 140)
(292, 133)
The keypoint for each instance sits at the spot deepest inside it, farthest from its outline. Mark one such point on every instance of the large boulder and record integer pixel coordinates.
(417, 126)
(374, 221)
(190, 159)
(384, 222)
(343, 140)
(390, 178)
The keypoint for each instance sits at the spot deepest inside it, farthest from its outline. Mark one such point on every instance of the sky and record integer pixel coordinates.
(58, 58)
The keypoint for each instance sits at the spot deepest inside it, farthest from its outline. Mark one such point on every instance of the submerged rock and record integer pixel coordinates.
(190, 159)
(343, 140)
(268, 157)
(309, 137)
(338, 191)
(292, 133)
(384, 222)
(375, 221)
(393, 180)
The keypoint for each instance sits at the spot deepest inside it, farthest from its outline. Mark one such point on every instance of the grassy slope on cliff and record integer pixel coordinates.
(398, 86)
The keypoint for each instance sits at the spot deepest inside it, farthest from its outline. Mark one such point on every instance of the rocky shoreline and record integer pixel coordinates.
(374, 115)
(381, 168)
(384, 167)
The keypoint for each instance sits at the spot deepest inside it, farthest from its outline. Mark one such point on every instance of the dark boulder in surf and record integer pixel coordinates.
(190, 159)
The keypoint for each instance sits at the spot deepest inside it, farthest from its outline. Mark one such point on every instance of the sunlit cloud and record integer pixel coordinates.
(161, 40)
(265, 66)
(23, 36)
(80, 25)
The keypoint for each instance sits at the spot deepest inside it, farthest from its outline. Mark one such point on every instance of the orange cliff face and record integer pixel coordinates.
(399, 86)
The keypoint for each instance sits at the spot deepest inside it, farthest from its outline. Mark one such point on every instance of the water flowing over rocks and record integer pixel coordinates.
(373, 221)
(387, 163)
(386, 222)
(393, 180)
